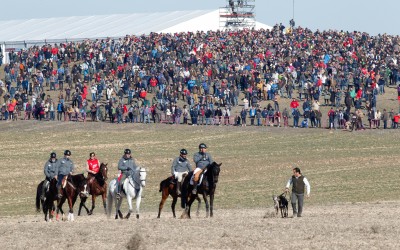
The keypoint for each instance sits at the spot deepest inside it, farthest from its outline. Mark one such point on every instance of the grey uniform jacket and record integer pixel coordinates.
(66, 166)
(51, 169)
(202, 160)
(127, 166)
(180, 165)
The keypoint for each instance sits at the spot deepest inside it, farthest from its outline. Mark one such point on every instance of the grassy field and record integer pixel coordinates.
(343, 167)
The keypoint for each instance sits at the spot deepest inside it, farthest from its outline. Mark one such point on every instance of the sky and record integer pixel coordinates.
(374, 17)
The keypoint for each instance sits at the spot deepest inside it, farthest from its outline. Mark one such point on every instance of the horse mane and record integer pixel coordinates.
(76, 179)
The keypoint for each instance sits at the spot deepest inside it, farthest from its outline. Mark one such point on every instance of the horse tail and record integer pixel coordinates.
(162, 184)
(185, 187)
(38, 193)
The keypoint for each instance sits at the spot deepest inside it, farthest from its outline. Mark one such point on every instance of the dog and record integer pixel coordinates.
(281, 203)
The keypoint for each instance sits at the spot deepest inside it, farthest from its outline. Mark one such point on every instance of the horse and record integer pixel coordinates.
(97, 186)
(48, 203)
(167, 188)
(75, 185)
(132, 189)
(206, 187)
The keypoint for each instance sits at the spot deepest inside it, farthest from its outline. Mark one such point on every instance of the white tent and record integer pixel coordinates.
(101, 26)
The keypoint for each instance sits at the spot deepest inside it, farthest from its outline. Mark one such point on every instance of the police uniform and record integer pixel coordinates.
(128, 167)
(180, 166)
(50, 171)
(65, 168)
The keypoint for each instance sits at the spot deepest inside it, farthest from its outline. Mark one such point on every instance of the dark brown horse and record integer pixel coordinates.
(167, 188)
(206, 188)
(50, 197)
(75, 185)
(97, 186)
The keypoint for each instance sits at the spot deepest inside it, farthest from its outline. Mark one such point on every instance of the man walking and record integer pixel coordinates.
(298, 182)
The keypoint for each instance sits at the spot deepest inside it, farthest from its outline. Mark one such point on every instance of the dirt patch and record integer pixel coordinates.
(346, 226)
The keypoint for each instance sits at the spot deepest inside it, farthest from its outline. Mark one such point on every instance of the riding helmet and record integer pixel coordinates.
(127, 151)
(67, 152)
(183, 151)
(202, 145)
(53, 155)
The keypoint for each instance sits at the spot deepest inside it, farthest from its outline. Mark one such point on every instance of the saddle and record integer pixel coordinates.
(64, 181)
(200, 182)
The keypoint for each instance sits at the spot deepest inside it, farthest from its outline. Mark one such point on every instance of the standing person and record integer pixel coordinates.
(298, 182)
(180, 166)
(202, 159)
(128, 167)
(65, 168)
(50, 171)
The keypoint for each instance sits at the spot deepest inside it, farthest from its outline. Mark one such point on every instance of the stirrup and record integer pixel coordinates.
(118, 196)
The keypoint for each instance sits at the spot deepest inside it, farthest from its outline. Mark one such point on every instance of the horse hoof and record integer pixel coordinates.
(137, 216)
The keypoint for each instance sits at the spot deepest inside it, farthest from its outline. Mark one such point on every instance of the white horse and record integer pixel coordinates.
(133, 187)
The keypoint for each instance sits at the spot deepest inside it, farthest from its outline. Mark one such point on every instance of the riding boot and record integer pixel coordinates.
(119, 187)
(194, 190)
(178, 188)
(59, 189)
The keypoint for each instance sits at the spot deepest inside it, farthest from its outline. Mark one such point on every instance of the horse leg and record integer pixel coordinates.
(174, 200)
(189, 204)
(117, 208)
(207, 205)
(129, 200)
(83, 200)
(138, 200)
(198, 206)
(211, 204)
(104, 196)
(60, 202)
(71, 209)
(93, 204)
(160, 207)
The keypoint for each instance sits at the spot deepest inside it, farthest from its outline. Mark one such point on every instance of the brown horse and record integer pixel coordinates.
(76, 185)
(167, 188)
(97, 186)
(206, 188)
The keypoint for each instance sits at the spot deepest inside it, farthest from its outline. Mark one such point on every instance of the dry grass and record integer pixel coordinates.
(342, 166)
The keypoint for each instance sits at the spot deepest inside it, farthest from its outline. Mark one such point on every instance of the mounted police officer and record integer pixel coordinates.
(128, 167)
(50, 171)
(180, 166)
(202, 159)
(65, 168)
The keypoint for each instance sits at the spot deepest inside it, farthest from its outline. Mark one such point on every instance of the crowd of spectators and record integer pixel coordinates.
(199, 78)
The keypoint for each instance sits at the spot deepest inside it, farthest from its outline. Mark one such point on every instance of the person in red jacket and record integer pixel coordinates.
(396, 119)
(153, 84)
(143, 94)
(294, 104)
(92, 166)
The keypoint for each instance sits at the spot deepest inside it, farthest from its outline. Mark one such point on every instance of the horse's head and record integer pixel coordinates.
(142, 177)
(104, 171)
(80, 182)
(214, 170)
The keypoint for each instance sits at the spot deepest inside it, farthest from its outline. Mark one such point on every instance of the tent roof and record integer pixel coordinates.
(100, 26)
